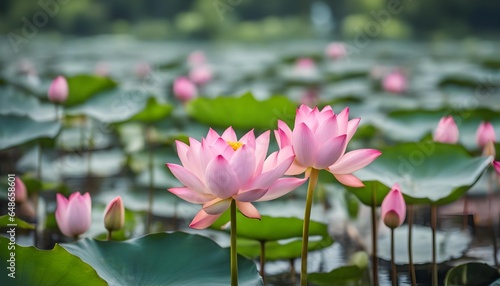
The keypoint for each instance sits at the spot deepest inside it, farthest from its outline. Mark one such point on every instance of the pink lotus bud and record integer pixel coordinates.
(20, 190)
(114, 215)
(395, 82)
(485, 133)
(335, 50)
(200, 75)
(73, 215)
(446, 131)
(196, 58)
(184, 89)
(394, 208)
(305, 64)
(58, 90)
(496, 164)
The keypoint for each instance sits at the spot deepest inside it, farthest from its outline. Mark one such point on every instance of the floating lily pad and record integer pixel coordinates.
(345, 275)
(153, 111)
(83, 87)
(46, 267)
(428, 172)
(17, 130)
(450, 245)
(163, 259)
(243, 112)
(472, 273)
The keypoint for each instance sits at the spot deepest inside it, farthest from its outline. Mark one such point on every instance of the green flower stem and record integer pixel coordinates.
(313, 180)
(263, 260)
(109, 235)
(434, 263)
(234, 257)
(393, 264)
(374, 238)
(410, 246)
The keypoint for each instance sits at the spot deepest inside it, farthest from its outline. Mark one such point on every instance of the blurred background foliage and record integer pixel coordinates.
(256, 20)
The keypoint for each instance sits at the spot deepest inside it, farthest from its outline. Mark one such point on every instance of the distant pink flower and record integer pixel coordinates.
(114, 214)
(485, 133)
(305, 63)
(395, 82)
(196, 58)
(393, 208)
(446, 131)
(102, 69)
(320, 139)
(310, 97)
(58, 90)
(496, 164)
(20, 190)
(73, 215)
(222, 168)
(184, 89)
(200, 75)
(336, 50)
(142, 70)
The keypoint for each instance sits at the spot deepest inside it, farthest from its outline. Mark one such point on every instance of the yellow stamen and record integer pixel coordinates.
(235, 145)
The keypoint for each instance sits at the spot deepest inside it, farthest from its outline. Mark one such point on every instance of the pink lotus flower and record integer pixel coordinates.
(196, 58)
(395, 82)
(319, 140)
(305, 64)
(184, 89)
(394, 208)
(20, 190)
(485, 133)
(221, 169)
(58, 90)
(335, 50)
(446, 131)
(200, 75)
(114, 215)
(73, 215)
(496, 165)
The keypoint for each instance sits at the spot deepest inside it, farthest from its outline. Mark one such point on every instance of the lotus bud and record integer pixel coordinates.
(58, 90)
(114, 215)
(200, 75)
(335, 50)
(20, 190)
(485, 133)
(393, 208)
(184, 89)
(446, 131)
(395, 82)
(73, 215)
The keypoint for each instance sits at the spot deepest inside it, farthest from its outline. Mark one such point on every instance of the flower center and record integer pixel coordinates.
(235, 144)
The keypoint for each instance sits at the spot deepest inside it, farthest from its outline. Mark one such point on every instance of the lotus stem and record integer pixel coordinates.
(151, 181)
(263, 260)
(433, 226)
(465, 213)
(89, 149)
(109, 236)
(393, 264)
(313, 180)
(410, 246)
(293, 272)
(491, 182)
(374, 238)
(234, 257)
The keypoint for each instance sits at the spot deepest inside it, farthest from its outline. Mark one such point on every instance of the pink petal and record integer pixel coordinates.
(266, 179)
(394, 202)
(343, 120)
(219, 146)
(325, 114)
(354, 160)
(446, 131)
(327, 130)
(229, 134)
(251, 195)
(277, 157)
(78, 216)
(304, 145)
(217, 206)
(187, 178)
(485, 133)
(261, 146)
(203, 220)
(352, 126)
(182, 150)
(349, 180)
(249, 139)
(284, 134)
(496, 165)
(330, 152)
(282, 187)
(191, 196)
(295, 169)
(62, 206)
(301, 114)
(221, 179)
(212, 135)
(243, 164)
(248, 210)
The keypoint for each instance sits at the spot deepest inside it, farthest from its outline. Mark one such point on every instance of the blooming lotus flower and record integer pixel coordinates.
(446, 131)
(395, 82)
(184, 89)
(335, 50)
(58, 90)
(114, 215)
(200, 75)
(496, 165)
(485, 133)
(221, 168)
(196, 58)
(20, 190)
(319, 140)
(73, 215)
(394, 208)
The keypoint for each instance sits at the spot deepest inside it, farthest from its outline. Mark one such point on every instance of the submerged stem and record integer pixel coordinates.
(394, 275)
(234, 261)
(313, 180)
(434, 263)
(374, 238)
(410, 246)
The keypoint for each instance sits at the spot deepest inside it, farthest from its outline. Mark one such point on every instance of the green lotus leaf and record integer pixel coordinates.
(345, 275)
(5, 221)
(472, 273)
(17, 130)
(83, 87)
